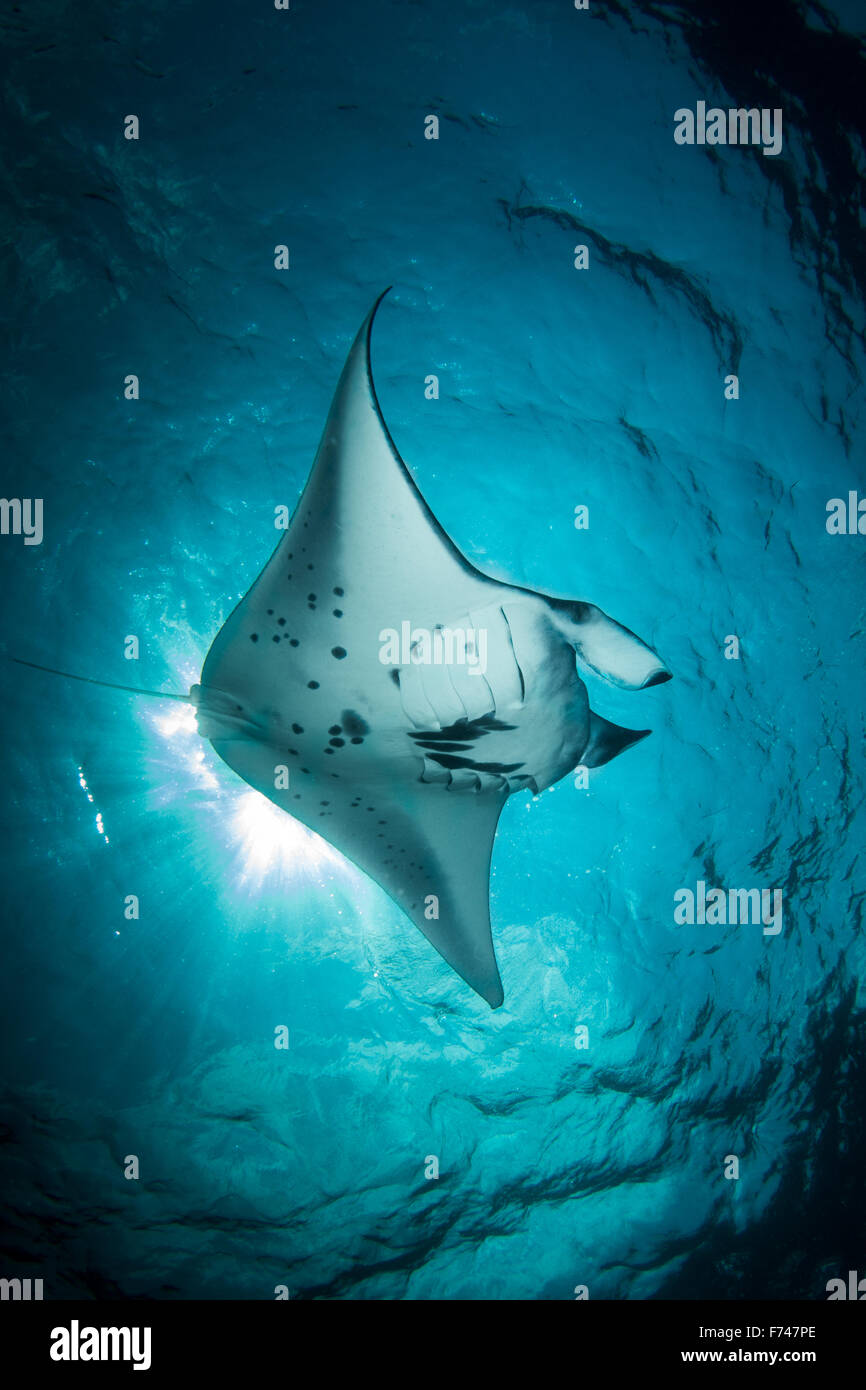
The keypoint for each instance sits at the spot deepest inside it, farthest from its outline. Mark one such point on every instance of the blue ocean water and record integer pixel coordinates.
(559, 1165)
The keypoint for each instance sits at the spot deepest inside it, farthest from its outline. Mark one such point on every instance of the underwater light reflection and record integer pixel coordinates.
(270, 843)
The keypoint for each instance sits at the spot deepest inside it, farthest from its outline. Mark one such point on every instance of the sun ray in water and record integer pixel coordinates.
(271, 848)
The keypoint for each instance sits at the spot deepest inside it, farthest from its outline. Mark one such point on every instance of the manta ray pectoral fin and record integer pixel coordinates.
(607, 739)
(610, 650)
(428, 848)
(457, 834)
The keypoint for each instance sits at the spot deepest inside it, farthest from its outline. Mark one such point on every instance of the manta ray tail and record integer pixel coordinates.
(109, 685)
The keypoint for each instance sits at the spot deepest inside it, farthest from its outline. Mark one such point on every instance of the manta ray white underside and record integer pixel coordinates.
(404, 765)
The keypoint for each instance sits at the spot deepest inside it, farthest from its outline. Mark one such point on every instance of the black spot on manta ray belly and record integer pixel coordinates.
(353, 723)
(339, 652)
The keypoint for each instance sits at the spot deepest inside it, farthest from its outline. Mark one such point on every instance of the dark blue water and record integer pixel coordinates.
(559, 1166)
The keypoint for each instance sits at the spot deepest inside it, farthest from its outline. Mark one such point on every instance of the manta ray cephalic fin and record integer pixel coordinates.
(610, 650)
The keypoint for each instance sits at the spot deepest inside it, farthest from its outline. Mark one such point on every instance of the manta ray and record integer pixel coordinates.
(403, 758)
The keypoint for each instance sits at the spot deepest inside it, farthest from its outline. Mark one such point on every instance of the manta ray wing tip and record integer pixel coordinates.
(380, 297)
(367, 326)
